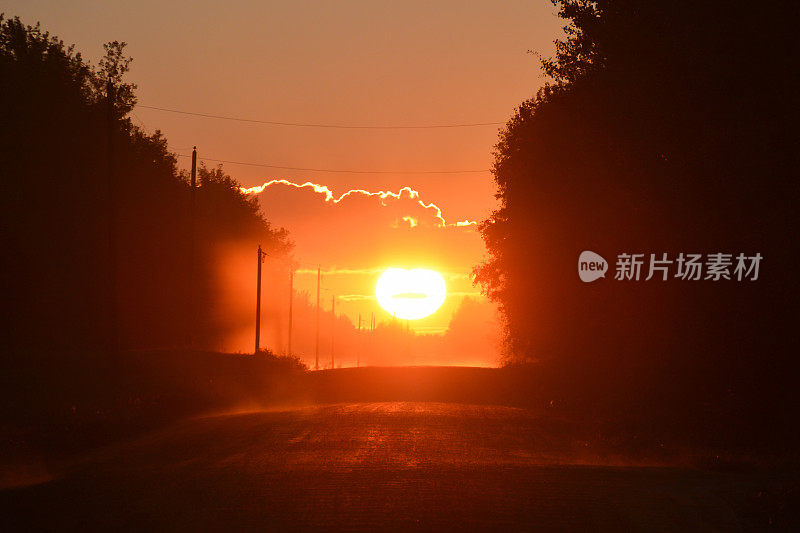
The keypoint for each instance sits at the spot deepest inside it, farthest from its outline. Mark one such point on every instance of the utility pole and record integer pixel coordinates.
(408, 338)
(113, 325)
(316, 347)
(291, 299)
(192, 239)
(261, 255)
(358, 352)
(333, 327)
(372, 336)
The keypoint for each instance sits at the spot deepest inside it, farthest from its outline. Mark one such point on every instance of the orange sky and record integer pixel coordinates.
(345, 62)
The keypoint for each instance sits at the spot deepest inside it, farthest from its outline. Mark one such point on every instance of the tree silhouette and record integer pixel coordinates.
(668, 128)
(53, 109)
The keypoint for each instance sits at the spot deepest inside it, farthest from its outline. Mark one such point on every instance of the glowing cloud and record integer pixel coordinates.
(411, 221)
(383, 195)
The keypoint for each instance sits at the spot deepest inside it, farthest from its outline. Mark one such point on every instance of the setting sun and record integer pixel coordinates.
(410, 294)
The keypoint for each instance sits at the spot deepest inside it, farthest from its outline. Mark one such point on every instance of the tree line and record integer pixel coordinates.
(667, 127)
(58, 208)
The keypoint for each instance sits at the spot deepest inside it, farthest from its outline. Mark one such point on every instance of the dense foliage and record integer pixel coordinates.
(668, 127)
(88, 236)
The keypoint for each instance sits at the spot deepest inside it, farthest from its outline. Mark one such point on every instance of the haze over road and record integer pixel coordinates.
(363, 466)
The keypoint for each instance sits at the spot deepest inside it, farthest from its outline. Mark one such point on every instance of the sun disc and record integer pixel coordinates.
(410, 294)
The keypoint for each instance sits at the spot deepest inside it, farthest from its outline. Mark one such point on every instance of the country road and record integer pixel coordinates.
(381, 465)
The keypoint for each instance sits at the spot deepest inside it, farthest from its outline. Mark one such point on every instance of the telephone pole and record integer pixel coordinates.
(261, 255)
(358, 351)
(192, 216)
(291, 298)
(333, 327)
(316, 347)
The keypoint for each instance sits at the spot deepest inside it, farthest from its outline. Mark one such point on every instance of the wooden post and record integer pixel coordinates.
(291, 299)
(261, 255)
(316, 347)
(333, 328)
(358, 348)
(192, 216)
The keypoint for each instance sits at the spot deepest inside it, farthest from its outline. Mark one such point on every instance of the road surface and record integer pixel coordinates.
(368, 466)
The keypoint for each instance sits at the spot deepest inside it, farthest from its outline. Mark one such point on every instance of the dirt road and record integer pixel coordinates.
(367, 466)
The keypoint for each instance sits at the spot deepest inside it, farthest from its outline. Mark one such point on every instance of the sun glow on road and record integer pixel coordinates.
(410, 294)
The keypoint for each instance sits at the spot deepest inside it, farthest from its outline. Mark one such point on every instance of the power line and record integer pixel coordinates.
(332, 126)
(338, 171)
